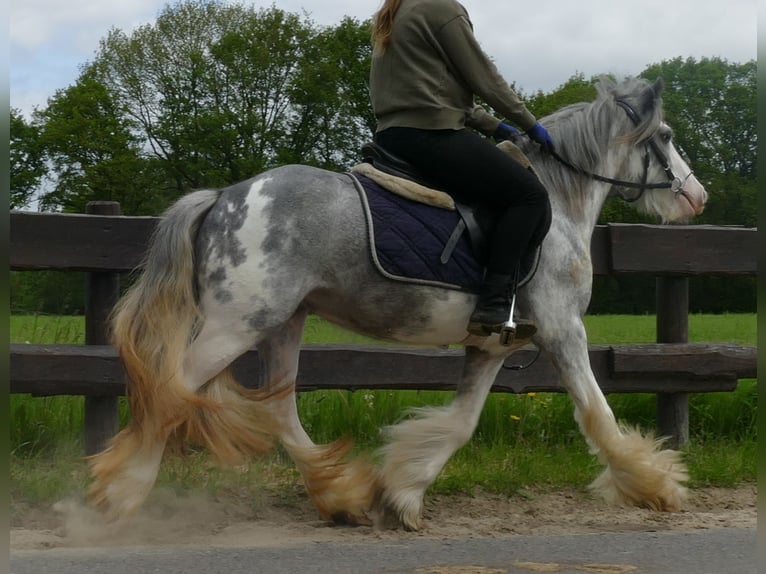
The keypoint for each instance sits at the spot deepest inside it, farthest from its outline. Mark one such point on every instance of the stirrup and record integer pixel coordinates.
(484, 329)
(510, 331)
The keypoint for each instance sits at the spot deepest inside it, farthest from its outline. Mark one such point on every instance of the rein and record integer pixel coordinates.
(674, 183)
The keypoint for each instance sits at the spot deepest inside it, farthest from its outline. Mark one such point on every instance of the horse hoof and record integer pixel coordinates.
(344, 518)
(383, 515)
(386, 516)
(385, 520)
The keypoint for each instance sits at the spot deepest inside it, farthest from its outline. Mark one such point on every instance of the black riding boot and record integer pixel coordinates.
(493, 310)
(494, 306)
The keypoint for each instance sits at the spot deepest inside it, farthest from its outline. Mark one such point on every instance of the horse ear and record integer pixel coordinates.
(648, 98)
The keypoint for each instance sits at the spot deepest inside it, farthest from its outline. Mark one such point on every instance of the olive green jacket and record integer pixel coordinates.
(431, 70)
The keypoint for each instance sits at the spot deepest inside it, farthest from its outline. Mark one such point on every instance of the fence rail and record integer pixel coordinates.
(105, 244)
(44, 370)
(113, 243)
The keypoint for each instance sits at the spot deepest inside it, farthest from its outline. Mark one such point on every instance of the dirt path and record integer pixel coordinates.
(267, 521)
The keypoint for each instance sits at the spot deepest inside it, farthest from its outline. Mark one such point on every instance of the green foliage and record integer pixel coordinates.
(211, 94)
(44, 424)
(331, 112)
(520, 441)
(47, 329)
(513, 468)
(711, 104)
(221, 92)
(92, 150)
(712, 107)
(635, 294)
(575, 90)
(27, 163)
(51, 292)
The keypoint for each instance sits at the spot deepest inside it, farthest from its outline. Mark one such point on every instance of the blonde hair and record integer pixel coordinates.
(382, 23)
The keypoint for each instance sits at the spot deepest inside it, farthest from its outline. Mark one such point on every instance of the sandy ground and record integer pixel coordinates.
(267, 521)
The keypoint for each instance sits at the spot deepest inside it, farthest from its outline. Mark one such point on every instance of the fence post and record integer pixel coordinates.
(673, 327)
(102, 289)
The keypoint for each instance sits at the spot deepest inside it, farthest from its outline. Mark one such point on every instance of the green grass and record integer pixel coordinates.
(739, 328)
(521, 440)
(47, 329)
(602, 329)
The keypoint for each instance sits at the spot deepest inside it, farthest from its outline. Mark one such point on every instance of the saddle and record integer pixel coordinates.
(400, 177)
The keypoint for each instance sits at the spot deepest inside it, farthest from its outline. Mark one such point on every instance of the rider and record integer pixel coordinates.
(427, 66)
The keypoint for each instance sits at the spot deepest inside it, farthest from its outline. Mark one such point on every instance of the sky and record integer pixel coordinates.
(537, 45)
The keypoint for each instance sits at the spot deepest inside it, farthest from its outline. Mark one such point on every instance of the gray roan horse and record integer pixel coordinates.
(240, 267)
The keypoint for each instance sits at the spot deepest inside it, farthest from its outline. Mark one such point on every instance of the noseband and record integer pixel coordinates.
(674, 183)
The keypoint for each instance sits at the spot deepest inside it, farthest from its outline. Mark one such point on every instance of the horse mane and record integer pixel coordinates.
(583, 132)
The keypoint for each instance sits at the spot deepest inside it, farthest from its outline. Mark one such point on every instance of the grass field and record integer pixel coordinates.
(520, 440)
(602, 329)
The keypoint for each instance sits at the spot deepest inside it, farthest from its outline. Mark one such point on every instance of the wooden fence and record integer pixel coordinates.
(104, 244)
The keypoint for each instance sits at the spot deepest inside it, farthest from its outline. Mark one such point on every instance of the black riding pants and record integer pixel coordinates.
(471, 169)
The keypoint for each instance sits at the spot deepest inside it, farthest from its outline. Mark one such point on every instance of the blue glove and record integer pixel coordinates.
(505, 132)
(540, 135)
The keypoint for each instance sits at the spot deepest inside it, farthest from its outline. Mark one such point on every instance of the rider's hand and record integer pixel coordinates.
(540, 135)
(505, 132)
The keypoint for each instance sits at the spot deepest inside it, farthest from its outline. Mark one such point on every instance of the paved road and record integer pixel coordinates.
(722, 551)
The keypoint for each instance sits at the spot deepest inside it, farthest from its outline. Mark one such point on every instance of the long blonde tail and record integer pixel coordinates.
(158, 317)
(152, 327)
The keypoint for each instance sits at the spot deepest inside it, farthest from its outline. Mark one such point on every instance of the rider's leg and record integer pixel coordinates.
(472, 169)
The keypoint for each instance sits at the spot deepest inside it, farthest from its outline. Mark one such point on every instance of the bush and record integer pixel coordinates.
(50, 292)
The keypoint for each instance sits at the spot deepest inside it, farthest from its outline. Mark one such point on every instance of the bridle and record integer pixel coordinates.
(674, 183)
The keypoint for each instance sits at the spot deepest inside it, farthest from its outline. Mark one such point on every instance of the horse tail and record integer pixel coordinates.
(153, 324)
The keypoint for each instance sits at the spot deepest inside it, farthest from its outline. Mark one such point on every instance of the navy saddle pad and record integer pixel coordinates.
(407, 240)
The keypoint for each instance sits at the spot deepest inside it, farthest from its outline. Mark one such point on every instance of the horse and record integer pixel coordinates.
(231, 269)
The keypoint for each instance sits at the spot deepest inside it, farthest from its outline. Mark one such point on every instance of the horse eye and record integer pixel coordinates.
(666, 137)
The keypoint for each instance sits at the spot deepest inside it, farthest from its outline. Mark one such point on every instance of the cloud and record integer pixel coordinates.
(50, 40)
(36, 23)
(538, 48)
(541, 49)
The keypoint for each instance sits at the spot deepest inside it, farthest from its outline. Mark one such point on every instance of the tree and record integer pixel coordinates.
(92, 150)
(711, 106)
(212, 93)
(208, 95)
(188, 113)
(332, 116)
(219, 92)
(576, 89)
(27, 160)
